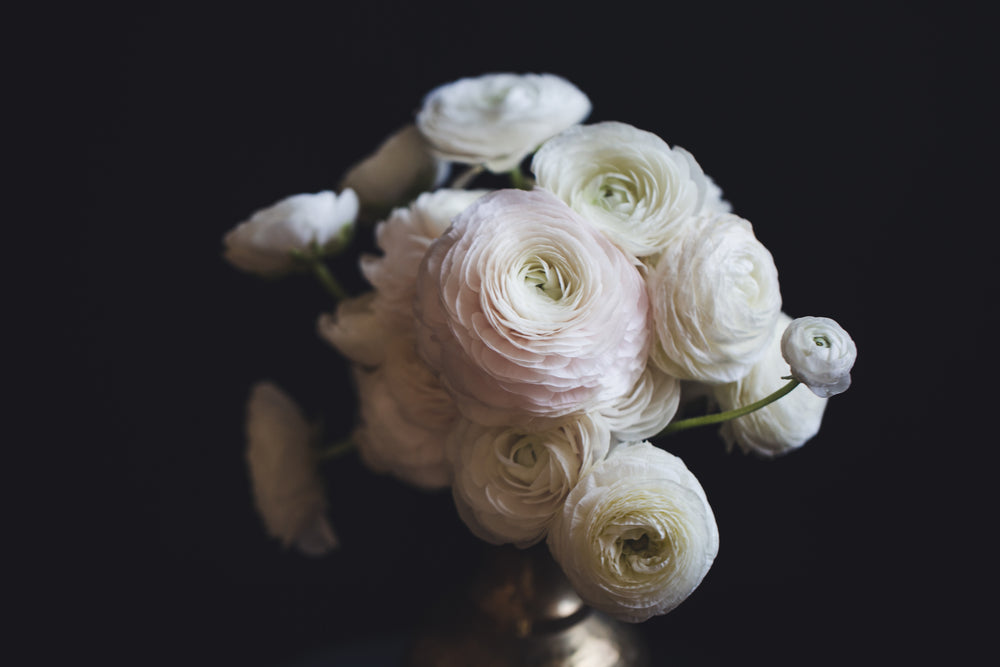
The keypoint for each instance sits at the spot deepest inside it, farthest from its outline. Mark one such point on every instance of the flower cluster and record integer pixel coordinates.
(525, 346)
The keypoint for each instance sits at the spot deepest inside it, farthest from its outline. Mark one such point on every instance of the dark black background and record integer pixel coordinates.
(846, 137)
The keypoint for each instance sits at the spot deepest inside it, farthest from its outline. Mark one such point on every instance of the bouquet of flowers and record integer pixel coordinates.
(529, 346)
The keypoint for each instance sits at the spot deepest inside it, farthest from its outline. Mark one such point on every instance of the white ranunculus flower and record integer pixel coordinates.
(509, 484)
(404, 238)
(627, 181)
(820, 354)
(397, 171)
(355, 330)
(715, 298)
(498, 119)
(287, 490)
(647, 409)
(776, 428)
(636, 535)
(406, 416)
(264, 243)
(528, 312)
(711, 201)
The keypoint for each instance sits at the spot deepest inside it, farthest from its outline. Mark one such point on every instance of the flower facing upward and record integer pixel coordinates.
(636, 535)
(820, 354)
(528, 312)
(498, 119)
(264, 244)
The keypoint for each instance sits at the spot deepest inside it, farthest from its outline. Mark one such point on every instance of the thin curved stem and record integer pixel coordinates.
(326, 279)
(719, 417)
(466, 176)
(336, 450)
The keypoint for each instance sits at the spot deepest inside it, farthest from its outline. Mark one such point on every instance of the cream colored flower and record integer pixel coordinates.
(627, 181)
(404, 239)
(776, 428)
(287, 490)
(636, 535)
(355, 330)
(397, 171)
(509, 484)
(647, 409)
(498, 119)
(715, 299)
(528, 312)
(264, 244)
(405, 418)
(820, 354)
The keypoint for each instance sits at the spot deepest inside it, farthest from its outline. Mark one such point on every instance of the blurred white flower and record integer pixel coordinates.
(287, 490)
(715, 298)
(498, 119)
(820, 354)
(626, 181)
(397, 171)
(636, 535)
(405, 418)
(264, 243)
(529, 312)
(509, 484)
(404, 238)
(647, 409)
(776, 428)
(355, 330)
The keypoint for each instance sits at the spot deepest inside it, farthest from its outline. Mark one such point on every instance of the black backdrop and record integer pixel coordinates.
(843, 136)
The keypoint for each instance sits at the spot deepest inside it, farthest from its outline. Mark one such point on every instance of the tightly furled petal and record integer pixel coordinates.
(820, 354)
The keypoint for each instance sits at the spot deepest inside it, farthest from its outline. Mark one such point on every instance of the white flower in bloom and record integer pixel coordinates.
(636, 535)
(510, 484)
(355, 330)
(627, 181)
(399, 169)
(711, 201)
(498, 119)
(405, 418)
(647, 409)
(264, 243)
(287, 490)
(820, 354)
(404, 239)
(528, 312)
(715, 298)
(776, 428)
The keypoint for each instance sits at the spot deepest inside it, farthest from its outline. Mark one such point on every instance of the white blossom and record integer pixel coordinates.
(715, 298)
(355, 330)
(528, 312)
(287, 490)
(509, 484)
(646, 409)
(627, 181)
(400, 168)
(776, 428)
(264, 244)
(636, 535)
(498, 119)
(820, 354)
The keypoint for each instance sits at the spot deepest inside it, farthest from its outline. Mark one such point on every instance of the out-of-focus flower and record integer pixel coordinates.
(510, 484)
(626, 181)
(776, 428)
(715, 299)
(528, 312)
(820, 354)
(636, 535)
(498, 119)
(405, 418)
(397, 171)
(264, 244)
(355, 330)
(404, 238)
(287, 490)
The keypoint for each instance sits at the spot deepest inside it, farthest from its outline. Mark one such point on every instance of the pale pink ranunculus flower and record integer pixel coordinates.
(715, 298)
(509, 484)
(636, 536)
(528, 312)
(287, 489)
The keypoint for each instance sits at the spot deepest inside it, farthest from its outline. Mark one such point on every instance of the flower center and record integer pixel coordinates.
(547, 279)
(525, 454)
(821, 341)
(617, 194)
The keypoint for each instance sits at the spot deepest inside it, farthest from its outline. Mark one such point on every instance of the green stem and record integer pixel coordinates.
(466, 176)
(336, 450)
(518, 179)
(327, 280)
(720, 417)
